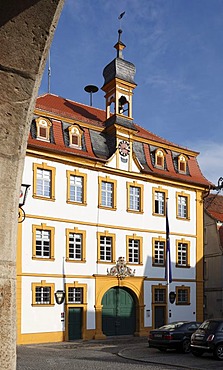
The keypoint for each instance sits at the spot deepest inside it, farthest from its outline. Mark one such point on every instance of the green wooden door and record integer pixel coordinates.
(75, 323)
(118, 312)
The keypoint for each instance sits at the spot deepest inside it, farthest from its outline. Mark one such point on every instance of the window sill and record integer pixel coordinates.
(183, 267)
(43, 258)
(75, 261)
(52, 199)
(43, 305)
(107, 208)
(76, 203)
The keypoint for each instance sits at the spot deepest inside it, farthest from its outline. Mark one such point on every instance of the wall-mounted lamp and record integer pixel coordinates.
(22, 199)
(59, 296)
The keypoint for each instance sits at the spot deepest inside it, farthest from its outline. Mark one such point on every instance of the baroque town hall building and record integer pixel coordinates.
(92, 249)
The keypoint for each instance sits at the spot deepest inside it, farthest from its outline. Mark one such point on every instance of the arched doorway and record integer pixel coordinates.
(118, 312)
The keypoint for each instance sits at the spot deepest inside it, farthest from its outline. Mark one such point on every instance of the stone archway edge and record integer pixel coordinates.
(27, 29)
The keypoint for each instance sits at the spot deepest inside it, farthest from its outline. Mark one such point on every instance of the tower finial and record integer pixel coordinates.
(119, 46)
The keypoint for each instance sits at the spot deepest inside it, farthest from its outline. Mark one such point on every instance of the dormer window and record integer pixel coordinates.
(182, 163)
(43, 129)
(75, 137)
(159, 158)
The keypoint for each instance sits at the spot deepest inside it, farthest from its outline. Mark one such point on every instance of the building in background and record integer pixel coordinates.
(213, 256)
(92, 250)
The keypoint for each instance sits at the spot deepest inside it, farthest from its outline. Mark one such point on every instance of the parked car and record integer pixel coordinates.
(208, 338)
(173, 336)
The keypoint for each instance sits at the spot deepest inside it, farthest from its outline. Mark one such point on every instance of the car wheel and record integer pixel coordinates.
(197, 353)
(218, 352)
(186, 346)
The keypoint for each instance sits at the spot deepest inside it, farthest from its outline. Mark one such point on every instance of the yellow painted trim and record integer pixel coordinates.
(154, 240)
(178, 288)
(187, 196)
(46, 337)
(98, 164)
(134, 284)
(76, 173)
(184, 241)
(159, 189)
(182, 160)
(115, 227)
(47, 126)
(83, 305)
(43, 284)
(43, 226)
(154, 303)
(75, 230)
(199, 256)
(77, 131)
(141, 196)
(114, 194)
(113, 254)
(159, 155)
(45, 275)
(140, 239)
(52, 170)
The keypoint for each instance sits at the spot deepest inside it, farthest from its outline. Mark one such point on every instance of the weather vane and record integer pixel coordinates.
(120, 17)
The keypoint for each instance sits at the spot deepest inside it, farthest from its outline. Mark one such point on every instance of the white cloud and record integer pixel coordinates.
(210, 159)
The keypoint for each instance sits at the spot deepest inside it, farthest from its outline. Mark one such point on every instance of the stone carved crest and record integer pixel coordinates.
(120, 270)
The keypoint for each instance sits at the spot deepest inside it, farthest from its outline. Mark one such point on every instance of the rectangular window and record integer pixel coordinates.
(158, 253)
(75, 295)
(134, 197)
(182, 255)
(43, 295)
(74, 139)
(107, 194)
(107, 189)
(75, 246)
(182, 295)
(44, 183)
(43, 242)
(182, 207)
(159, 202)
(160, 295)
(134, 250)
(134, 200)
(43, 238)
(76, 188)
(43, 132)
(106, 248)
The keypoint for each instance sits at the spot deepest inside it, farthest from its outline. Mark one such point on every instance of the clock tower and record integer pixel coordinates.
(118, 87)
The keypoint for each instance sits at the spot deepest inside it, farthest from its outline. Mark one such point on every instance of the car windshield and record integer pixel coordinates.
(208, 325)
(172, 326)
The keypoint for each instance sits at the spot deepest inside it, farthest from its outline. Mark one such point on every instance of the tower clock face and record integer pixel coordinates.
(124, 148)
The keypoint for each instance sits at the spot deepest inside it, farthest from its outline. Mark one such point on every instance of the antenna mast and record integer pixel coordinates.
(49, 73)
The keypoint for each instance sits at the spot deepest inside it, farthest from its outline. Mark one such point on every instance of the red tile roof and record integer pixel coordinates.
(60, 109)
(213, 205)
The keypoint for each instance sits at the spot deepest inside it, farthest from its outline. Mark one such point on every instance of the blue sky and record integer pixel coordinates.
(177, 48)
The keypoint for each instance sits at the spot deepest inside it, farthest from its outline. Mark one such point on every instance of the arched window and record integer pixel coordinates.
(43, 129)
(123, 105)
(75, 137)
(182, 163)
(159, 158)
